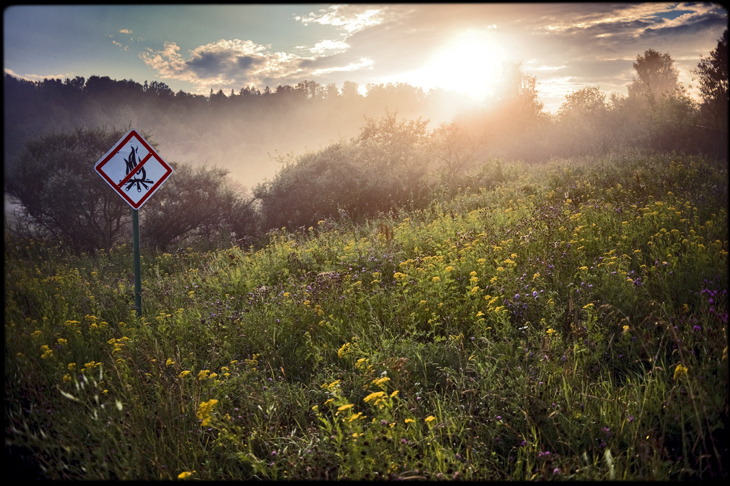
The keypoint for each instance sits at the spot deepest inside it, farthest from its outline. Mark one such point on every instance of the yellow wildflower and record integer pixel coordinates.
(344, 407)
(429, 419)
(374, 396)
(680, 370)
(380, 381)
(343, 350)
(205, 410)
(184, 373)
(331, 386)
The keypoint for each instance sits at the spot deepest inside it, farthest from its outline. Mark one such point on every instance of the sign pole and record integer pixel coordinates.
(137, 266)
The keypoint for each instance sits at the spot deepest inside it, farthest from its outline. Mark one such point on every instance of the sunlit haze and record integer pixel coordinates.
(470, 63)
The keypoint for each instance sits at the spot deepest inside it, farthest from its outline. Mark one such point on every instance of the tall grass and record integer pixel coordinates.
(567, 323)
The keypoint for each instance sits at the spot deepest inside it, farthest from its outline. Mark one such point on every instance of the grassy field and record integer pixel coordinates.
(568, 323)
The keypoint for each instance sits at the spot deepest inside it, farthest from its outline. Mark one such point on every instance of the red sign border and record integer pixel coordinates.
(123, 141)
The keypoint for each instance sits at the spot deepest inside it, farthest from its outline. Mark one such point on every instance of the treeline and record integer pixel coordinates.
(393, 160)
(239, 131)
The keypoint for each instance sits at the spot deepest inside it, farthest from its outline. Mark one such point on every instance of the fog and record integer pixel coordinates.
(249, 133)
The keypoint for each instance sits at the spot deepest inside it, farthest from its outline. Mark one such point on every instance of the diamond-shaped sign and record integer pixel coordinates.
(133, 169)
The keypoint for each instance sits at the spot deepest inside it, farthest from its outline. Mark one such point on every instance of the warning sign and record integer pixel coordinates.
(133, 169)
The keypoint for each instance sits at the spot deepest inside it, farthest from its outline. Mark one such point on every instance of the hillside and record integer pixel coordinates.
(568, 322)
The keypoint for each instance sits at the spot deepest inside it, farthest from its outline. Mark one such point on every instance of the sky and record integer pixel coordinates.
(459, 47)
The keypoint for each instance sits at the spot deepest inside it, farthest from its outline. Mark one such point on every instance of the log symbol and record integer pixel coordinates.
(141, 175)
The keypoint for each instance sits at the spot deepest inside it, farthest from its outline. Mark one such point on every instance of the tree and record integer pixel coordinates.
(513, 121)
(582, 121)
(657, 76)
(455, 148)
(385, 167)
(60, 194)
(62, 197)
(713, 78)
(350, 90)
(673, 123)
(196, 204)
(158, 89)
(658, 113)
(312, 187)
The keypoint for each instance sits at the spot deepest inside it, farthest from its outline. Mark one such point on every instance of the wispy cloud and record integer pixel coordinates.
(119, 44)
(350, 18)
(326, 46)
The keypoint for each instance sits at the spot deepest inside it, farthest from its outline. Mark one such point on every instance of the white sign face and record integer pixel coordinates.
(133, 169)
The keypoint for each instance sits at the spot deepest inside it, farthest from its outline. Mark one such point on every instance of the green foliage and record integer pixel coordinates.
(656, 76)
(713, 78)
(584, 118)
(566, 323)
(384, 168)
(62, 198)
(197, 204)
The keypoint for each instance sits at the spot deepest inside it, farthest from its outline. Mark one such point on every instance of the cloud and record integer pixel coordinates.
(325, 46)
(223, 64)
(39, 77)
(230, 64)
(350, 18)
(119, 45)
(691, 24)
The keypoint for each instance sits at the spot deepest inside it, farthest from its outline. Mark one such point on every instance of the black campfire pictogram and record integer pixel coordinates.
(141, 176)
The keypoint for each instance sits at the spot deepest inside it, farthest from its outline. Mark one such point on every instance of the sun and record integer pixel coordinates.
(470, 63)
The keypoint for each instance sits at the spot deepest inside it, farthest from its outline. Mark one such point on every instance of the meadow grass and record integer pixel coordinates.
(567, 323)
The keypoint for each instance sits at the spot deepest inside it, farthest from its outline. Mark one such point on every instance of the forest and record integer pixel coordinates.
(318, 152)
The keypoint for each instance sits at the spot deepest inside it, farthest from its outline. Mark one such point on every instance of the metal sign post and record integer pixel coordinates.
(137, 264)
(132, 163)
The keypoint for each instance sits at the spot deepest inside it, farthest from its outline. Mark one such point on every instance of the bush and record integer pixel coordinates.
(62, 198)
